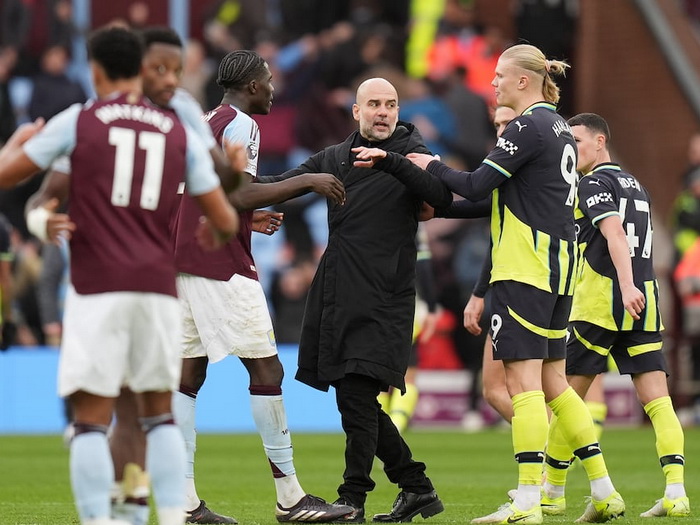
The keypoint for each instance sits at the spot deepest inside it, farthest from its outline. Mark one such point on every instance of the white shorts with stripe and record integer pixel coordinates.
(119, 338)
(222, 318)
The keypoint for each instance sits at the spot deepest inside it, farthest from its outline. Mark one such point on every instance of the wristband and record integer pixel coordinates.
(37, 219)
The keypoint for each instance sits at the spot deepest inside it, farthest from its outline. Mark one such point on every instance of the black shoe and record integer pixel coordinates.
(356, 516)
(312, 508)
(203, 515)
(410, 504)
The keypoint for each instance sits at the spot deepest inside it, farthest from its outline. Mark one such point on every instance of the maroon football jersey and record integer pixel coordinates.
(233, 258)
(129, 159)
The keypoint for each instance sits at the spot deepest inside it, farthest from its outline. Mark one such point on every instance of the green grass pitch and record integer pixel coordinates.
(471, 472)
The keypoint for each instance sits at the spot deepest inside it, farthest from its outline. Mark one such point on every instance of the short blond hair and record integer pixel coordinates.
(532, 59)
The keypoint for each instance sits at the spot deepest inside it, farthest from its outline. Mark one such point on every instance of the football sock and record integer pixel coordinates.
(271, 421)
(91, 472)
(403, 406)
(599, 412)
(184, 405)
(576, 425)
(557, 460)
(165, 463)
(130, 496)
(670, 443)
(529, 436)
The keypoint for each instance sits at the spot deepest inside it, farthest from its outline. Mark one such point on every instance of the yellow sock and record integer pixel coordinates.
(530, 427)
(669, 438)
(403, 406)
(576, 426)
(558, 454)
(384, 399)
(599, 412)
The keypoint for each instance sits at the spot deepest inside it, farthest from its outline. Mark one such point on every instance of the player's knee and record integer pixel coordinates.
(193, 375)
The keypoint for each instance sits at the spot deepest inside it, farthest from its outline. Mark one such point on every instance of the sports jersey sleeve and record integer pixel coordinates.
(62, 165)
(466, 209)
(514, 148)
(201, 177)
(475, 186)
(597, 199)
(244, 130)
(426, 186)
(55, 139)
(189, 112)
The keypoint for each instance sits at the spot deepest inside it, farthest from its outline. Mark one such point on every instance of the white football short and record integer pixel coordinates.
(119, 338)
(222, 318)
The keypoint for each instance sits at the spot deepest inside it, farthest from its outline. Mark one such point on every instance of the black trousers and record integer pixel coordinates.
(370, 432)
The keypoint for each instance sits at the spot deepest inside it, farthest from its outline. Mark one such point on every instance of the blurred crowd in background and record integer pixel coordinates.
(438, 54)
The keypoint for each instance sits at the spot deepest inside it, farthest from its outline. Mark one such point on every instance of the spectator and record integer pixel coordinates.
(53, 90)
(196, 71)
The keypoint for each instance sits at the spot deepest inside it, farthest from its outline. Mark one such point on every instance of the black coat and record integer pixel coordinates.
(359, 312)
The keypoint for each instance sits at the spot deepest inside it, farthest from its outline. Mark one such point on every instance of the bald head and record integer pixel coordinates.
(376, 109)
(373, 87)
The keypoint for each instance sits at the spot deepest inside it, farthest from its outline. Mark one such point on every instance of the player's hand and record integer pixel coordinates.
(267, 222)
(366, 157)
(329, 186)
(26, 131)
(472, 314)
(633, 300)
(421, 159)
(59, 225)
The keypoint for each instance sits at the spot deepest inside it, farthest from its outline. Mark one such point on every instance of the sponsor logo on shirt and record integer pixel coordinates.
(598, 198)
(506, 146)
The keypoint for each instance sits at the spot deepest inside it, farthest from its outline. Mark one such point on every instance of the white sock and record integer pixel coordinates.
(191, 496)
(271, 421)
(171, 516)
(165, 462)
(133, 513)
(184, 412)
(527, 497)
(289, 491)
(92, 475)
(553, 491)
(675, 490)
(601, 488)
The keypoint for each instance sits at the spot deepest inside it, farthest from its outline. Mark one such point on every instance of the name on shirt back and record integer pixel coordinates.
(112, 112)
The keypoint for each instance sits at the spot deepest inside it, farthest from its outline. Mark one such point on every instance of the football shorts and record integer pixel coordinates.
(528, 323)
(222, 318)
(634, 351)
(117, 339)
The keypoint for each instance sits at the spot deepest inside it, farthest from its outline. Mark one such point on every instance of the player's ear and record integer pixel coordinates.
(252, 87)
(523, 81)
(356, 112)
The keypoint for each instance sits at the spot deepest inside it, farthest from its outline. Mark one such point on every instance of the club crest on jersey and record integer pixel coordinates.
(506, 145)
(252, 150)
(598, 198)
